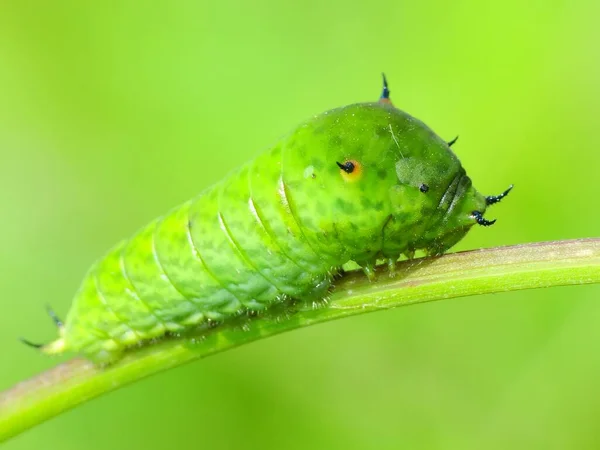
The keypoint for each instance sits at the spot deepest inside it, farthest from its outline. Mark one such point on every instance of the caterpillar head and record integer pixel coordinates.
(376, 182)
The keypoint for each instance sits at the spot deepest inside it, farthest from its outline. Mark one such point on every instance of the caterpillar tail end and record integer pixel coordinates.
(55, 347)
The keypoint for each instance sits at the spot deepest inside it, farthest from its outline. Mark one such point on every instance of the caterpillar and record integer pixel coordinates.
(364, 182)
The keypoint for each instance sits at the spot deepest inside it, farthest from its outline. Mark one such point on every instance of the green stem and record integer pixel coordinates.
(454, 275)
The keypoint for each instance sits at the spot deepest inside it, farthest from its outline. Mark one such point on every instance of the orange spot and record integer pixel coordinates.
(356, 172)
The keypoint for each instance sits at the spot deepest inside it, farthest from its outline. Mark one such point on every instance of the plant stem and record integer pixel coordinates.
(421, 280)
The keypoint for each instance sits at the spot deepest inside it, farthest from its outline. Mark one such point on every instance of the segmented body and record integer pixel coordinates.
(357, 183)
(237, 246)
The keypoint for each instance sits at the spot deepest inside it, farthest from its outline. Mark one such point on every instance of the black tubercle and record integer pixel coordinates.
(385, 94)
(453, 141)
(480, 220)
(491, 199)
(424, 188)
(54, 317)
(347, 167)
(30, 344)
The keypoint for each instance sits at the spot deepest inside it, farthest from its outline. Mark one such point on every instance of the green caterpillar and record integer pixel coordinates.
(357, 183)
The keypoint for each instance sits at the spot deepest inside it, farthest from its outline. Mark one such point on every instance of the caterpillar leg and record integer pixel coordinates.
(55, 347)
(391, 265)
(368, 269)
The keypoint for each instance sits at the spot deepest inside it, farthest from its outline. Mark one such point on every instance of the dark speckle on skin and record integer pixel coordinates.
(345, 206)
(335, 230)
(335, 141)
(403, 217)
(320, 208)
(365, 203)
(320, 129)
(381, 173)
(382, 132)
(317, 163)
(309, 223)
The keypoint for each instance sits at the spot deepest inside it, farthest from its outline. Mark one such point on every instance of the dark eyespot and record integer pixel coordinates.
(350, 170)
(347, 166)
(424, 188)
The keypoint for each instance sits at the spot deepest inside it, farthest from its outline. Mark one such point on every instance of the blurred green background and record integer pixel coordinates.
(113, 112)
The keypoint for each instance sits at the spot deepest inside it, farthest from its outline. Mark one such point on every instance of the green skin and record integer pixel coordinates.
(279, 227)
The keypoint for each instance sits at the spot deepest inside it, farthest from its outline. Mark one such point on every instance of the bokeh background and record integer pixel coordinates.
(113, 112)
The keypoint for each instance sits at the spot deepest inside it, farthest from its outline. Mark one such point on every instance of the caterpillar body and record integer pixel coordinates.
(357, 183)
